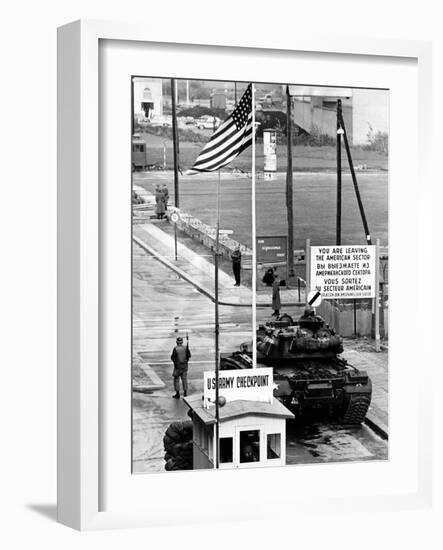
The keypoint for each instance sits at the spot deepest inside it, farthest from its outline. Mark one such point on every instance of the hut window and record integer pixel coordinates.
(274, 446)
(226, 445)
(250, 446)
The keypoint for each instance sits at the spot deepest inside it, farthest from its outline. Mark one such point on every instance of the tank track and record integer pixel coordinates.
(356, 410)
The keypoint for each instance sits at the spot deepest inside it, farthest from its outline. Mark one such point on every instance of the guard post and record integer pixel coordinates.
(252, 423)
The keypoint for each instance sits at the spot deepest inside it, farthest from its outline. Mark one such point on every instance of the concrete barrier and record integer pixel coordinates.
(206, 235)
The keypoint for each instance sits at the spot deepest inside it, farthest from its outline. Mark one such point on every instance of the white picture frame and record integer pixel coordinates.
(80, 413)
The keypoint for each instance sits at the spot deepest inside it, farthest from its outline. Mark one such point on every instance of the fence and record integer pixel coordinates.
(351, 320)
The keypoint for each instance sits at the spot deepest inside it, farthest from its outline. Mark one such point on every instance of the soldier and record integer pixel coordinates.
(236, 265)
(159, 202)
(180, 357)
(165, 192)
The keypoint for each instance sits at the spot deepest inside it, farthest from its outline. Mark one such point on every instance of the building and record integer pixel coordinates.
(218, 100)
(364, 111)
(252, 433)
(148, 98)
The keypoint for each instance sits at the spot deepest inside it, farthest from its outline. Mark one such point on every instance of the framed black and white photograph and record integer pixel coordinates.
(254, 266)
(246, 227)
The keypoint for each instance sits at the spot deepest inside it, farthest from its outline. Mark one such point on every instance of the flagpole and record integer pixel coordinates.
(217, 330)
(254, 243)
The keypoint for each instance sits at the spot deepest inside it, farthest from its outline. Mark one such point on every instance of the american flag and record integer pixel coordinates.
(233, 137)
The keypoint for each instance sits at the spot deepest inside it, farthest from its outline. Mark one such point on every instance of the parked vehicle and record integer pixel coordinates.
(139, 153)
(161, 120)
(208, 122)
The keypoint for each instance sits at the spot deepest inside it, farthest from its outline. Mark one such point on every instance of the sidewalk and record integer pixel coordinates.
(200, 272)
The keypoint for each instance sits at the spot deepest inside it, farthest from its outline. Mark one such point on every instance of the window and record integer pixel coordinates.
(250, 446)
(226, 446)
(204, 438)
(273, 447)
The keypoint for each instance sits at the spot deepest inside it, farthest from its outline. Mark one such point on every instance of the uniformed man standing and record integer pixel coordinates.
(236, 265)
(165, 192)
(180, 357)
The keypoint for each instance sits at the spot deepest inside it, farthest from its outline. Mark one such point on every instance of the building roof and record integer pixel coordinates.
(236, 409)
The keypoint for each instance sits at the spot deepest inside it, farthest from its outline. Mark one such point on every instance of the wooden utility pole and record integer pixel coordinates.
(175, 147)
(289, 185)
(339, 192)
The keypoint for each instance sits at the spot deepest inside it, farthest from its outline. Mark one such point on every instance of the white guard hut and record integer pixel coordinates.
(252, 427)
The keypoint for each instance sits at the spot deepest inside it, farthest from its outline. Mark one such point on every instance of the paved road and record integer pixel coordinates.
(314, 204)
(164, 306)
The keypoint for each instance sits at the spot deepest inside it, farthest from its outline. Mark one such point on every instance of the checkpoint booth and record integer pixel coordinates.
(252, 428)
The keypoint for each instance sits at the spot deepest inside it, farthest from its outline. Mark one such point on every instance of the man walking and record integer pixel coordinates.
(236, 265)
(276, 303)
(180, 357)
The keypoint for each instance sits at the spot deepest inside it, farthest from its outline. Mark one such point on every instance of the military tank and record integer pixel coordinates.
(308, 369)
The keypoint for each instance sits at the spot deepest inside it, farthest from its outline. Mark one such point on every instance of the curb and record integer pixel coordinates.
(380, 429)
(148, 388)
(156, 381)
(173, 267)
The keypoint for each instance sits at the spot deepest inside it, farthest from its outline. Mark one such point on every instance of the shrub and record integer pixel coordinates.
(377, 141)
(183, 134)
(200, 110)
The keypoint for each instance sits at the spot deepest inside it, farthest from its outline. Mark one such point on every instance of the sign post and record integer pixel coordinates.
(377, 295)
(269, 153)
(308, 269)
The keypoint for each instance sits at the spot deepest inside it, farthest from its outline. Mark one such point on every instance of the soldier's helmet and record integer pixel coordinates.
(179, 340)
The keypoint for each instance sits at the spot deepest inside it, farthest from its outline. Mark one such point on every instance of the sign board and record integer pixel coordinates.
(235, 385)
(343, 271)
(226, 231)
(270, 150)
(174, 217)
(272, 250)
